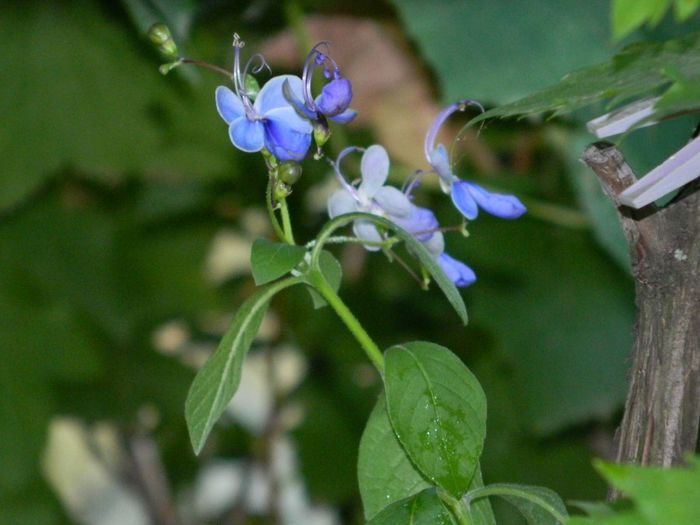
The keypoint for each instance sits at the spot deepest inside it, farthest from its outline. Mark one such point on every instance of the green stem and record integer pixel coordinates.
(462, 515)
(286, 222)
(271, 212)
(373, 352)
(500, 490)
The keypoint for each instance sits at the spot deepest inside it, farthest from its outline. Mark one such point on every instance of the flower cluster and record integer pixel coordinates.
(283, 117)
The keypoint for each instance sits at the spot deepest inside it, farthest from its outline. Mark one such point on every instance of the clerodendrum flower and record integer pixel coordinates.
(336, 95)
(371, 195)
(266, 120)
(466, 196)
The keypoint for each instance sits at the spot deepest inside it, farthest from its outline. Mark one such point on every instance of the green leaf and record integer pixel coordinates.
(684, 9)
(628, 15)
(415, 247)
(217, 381)
(638, 71)
(496, 52)
(660, 495)
(332, 271)
(539, 505)
(270, 260)
(384, 472)
(424, 508)
(438, 411)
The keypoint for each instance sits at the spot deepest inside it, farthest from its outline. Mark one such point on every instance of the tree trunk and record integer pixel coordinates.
(660, 422)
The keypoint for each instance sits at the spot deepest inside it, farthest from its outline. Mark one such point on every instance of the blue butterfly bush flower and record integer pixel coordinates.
(334, 100)
(266, 120)
(371, 195)
(466, 196)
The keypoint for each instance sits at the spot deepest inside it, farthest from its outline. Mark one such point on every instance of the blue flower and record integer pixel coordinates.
(466, 196)
(335, 97)
(371, 195)
(269, 122)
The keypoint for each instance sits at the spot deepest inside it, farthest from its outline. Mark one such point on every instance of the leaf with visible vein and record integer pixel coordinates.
(438, 411)
(217, 381)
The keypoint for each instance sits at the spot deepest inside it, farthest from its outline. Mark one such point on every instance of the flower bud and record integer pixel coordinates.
(167, 68)
(281, 191)
(289, 172)
(321, 132)
(160, 36)
(335, 97)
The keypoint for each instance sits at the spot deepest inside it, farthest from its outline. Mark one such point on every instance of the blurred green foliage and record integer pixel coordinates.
(116, 180)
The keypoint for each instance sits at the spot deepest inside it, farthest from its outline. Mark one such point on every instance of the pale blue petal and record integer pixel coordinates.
(340, 203)
(374, 168)
(440, 162)
(421, 223)
(499, 205)
(435, 244)
(228, 104)
(287, 135)
(367, 231)
(463, 200)
(271, 95)
(247, 135)
(345, 117)
(458, 272)
(393, 201)
(297, 102)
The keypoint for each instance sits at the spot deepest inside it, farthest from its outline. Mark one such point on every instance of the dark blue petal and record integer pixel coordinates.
(463, 200)
(502, 206)
(345, 117)
(287, 135)
(247, 135)
(335, 97)
(458, 272)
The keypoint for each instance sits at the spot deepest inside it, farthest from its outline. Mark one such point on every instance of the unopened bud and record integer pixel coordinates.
(282, 191)
(167, 68)
(289, 172)
(321, 132)
(160, 36)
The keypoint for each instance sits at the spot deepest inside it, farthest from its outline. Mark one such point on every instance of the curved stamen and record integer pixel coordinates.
(239, 78)
(252, 68)
(430, 137)
(336, 167)
(315, 59)
(412, 182)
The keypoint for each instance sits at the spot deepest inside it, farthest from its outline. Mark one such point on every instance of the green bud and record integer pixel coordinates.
(252, 88)
(321, 132)
(160, 36)
(281, 191)
(289, 172)
(167, 68)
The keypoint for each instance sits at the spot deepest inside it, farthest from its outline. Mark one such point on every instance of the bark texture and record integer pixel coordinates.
(660, 422)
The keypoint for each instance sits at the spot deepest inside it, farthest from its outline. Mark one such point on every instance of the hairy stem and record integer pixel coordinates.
(271, 212)
(286, 222)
